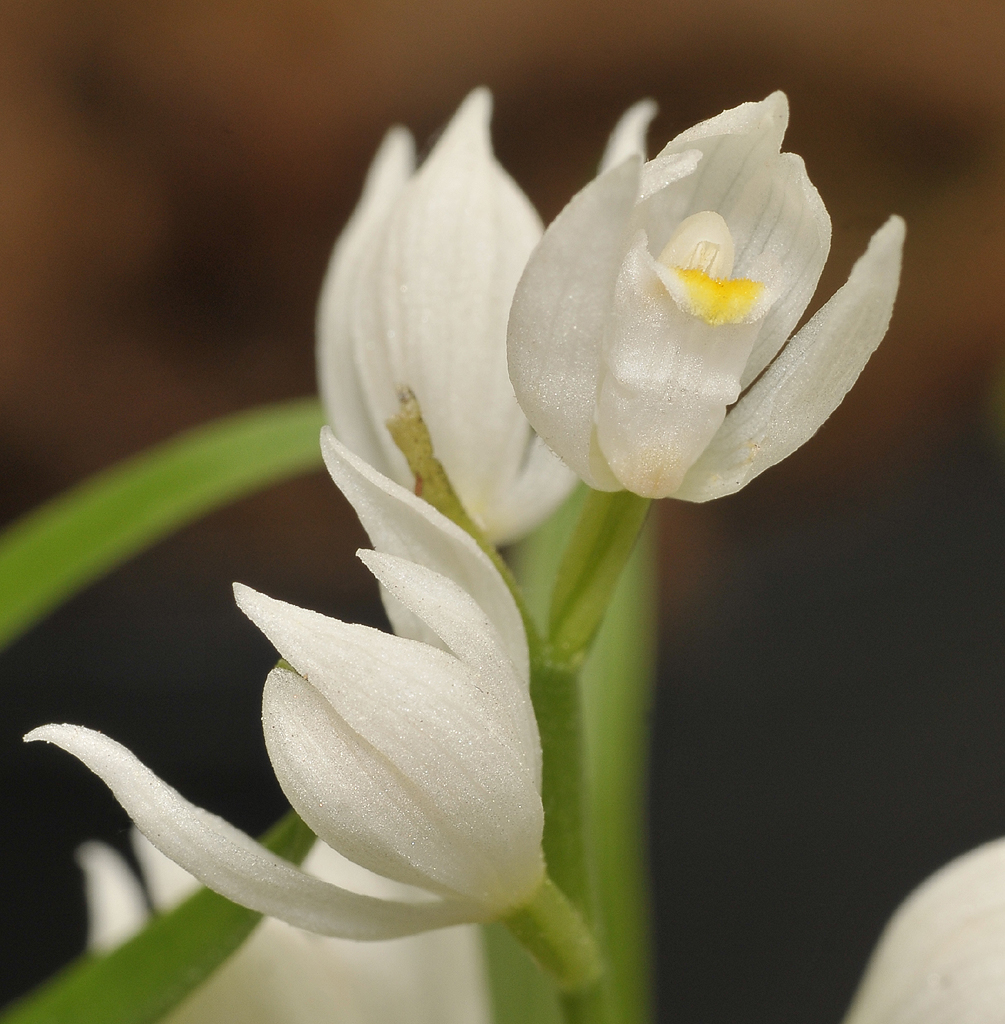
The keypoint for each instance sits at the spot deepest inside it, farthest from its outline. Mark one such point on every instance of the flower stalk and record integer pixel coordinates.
(554, 932)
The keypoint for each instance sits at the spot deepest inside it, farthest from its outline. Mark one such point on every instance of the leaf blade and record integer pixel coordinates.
(59, 548)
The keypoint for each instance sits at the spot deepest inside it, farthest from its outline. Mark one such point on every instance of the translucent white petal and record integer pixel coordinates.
(807, 381)
(560, 312)
(166, 882)
(543, 484)
(433, 298)
(665, 169)
(668, 379)
(629, 135)
(735, 146)
(231, 862)
(398, 717)
(768, 116)
(339, 383)
(782, 232)
(116, 908)
(780, 227)
(415, 777)
(939, 960)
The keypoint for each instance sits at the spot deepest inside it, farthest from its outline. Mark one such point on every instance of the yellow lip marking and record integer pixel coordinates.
(718, 300)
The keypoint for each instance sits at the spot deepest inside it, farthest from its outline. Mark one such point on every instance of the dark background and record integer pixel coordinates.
(828, 726)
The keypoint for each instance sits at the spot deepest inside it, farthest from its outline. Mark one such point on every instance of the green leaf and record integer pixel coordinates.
(152, 973)
(597, 552)
(62, 546)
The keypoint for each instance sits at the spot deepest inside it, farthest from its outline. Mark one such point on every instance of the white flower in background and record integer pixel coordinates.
(283, 975)
(941, 959)
(417, 295)
(666, 289)
(421, 763)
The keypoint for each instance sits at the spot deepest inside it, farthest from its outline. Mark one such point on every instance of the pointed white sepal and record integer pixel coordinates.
(231, 863)
(338, 378)
(559, 314)
(807, 382)
(629, 136)
(418, 295)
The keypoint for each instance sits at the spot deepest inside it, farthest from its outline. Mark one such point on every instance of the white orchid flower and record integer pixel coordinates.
(666, 289)
(941, 959)
(421, 763)
(417, 295)
(283, 975)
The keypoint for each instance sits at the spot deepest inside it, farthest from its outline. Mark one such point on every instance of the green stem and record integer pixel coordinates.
(555, 693)
(69, 542)
(591, 566)
(556, 935)
(590, 1007)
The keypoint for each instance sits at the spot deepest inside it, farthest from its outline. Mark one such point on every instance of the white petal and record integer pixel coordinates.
(231, 862)
(806, 383)
(470, 636)
(543, 484)
(629, 135)
(449, 611)
(167, 883)
(116, 908)
(779, 224)
(337, 377)
(665, 169)
(399, 523)
(560, 310)
(782, 232)
(940, 958)
(669, 377)
(409, 797)
(770, 115)
(431, 308)
(735, 146)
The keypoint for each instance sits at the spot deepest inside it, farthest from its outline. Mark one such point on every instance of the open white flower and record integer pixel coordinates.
(283, 975)
(666, 289)
(421, 763)
(417, 295)
(941, 959)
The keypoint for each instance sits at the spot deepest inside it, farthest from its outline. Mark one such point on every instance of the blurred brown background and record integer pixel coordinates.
(829, 726)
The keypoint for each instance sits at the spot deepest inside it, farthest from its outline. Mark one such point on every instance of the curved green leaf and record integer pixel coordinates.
(62, 546)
